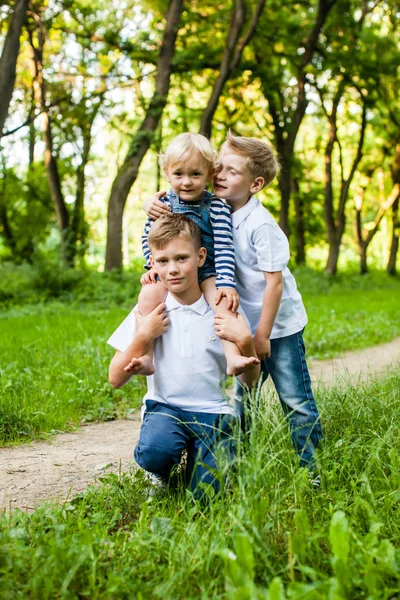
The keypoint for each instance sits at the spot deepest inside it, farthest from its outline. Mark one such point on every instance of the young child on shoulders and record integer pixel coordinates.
(189, 164)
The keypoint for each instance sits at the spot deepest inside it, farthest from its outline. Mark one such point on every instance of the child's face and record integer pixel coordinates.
(233, 180)
(189, 178)
(177, 266)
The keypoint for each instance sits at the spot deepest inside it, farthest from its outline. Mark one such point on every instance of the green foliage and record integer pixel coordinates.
(48, 279)
(27, 205)
(270, 535)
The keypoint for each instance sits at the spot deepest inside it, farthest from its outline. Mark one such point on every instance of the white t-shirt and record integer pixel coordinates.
(261, 246)
(189, 359)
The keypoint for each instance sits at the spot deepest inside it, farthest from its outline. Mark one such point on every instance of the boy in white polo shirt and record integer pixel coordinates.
(267, 289)
(185, 406)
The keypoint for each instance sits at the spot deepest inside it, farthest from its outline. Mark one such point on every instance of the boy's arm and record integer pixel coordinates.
(270, 307)
(224, 253)
(146, 231)
(148, 329)
(154, 207)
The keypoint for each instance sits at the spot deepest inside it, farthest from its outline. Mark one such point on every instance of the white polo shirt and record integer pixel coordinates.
(261, 246)
(189, 359)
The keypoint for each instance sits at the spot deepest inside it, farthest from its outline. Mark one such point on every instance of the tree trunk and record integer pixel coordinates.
(300, 252)
(128, 172)
(232, 54)
(284, 187)
(363, 259)
(394, 244)
(50, 162)
(9, 58)
(333, 257)
(336, 225)
(78, 232)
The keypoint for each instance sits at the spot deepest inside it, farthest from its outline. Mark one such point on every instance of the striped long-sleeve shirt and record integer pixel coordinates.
(219, 216)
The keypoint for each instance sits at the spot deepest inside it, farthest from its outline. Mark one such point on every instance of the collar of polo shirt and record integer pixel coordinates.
(200, 306)
(240, 215)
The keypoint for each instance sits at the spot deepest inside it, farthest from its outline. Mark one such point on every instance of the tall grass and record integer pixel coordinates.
(269, 535)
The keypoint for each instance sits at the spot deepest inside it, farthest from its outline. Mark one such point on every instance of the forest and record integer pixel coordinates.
(92, 91)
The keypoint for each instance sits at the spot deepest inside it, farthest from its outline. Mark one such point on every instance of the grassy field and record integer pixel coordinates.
(54, 358)
(269, 536)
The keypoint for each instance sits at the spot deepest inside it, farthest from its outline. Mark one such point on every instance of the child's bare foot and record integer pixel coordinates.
(236, 365)
(140, 366)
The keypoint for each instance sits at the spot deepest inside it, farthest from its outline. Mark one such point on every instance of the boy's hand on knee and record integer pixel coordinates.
(232, 328)
(232, 298)
(262, 346)
(154, 208)
(149, 277)
(155, 323)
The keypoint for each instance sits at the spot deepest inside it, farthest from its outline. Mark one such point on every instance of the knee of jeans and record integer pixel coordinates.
(155, 459)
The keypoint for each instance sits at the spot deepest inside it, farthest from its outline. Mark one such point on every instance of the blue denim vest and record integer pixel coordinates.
(199, 212)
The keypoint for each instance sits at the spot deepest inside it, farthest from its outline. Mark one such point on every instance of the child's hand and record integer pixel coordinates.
(155, 323)
(154, 208)
(232, 298)
(149, 277)
(262, 346)
(232, 328)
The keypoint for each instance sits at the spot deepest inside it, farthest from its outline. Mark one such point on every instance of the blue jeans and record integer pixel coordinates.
(288, 369)
(167, 431)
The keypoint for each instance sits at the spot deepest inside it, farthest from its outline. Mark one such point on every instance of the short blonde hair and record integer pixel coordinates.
(260, 157)
(172, 226)
(183, 146)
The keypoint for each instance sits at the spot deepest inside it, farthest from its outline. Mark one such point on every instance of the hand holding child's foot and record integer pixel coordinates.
(232, 328)
(236, 365)
(155, 323)
(140, 366)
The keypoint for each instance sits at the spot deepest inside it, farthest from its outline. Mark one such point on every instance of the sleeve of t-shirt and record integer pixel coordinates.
(224, 251)
(124, 334)
(272, 248)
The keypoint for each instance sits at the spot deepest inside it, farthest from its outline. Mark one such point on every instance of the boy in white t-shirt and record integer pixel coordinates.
(186, 407)
(267, 289)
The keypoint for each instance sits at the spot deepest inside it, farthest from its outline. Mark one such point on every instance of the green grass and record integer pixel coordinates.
(270, 532)
(348, 312)
(54, 359)
(53, 374)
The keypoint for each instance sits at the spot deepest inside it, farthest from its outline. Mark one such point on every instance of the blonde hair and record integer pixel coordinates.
(172, 226)
(260, 157)
(183, 146)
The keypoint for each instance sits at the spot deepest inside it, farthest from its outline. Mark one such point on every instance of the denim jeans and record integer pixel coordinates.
(167, 431)
(288, 369)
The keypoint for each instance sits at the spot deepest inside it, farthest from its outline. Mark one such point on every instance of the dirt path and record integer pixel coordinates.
(59, 469)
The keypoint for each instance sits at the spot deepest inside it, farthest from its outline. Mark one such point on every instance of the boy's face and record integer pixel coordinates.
(177, 266)
(189, 178)
(233, 180)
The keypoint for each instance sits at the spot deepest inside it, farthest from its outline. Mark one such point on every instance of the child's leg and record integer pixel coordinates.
(211, 451)
(289, 372)
(151, 295)
(236, 363)
(163, 437)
